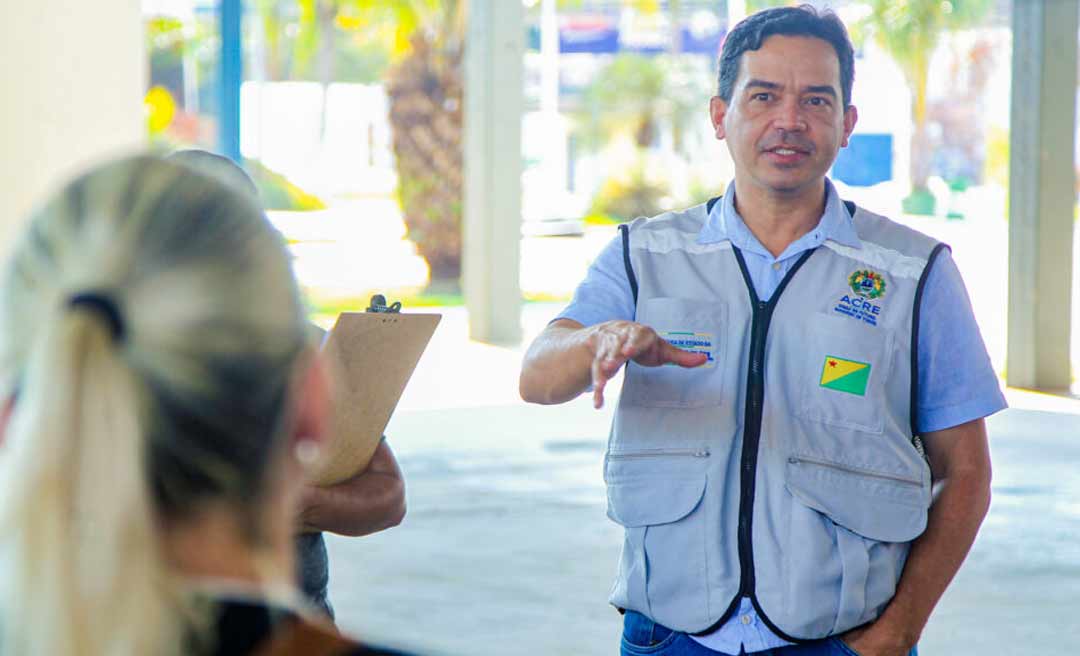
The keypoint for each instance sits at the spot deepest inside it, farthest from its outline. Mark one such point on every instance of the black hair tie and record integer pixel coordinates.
(104, 306)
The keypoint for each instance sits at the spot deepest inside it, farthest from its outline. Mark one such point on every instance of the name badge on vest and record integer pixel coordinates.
(694, 342)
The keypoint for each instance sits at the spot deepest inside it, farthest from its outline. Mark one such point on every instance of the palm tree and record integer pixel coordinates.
(909, 30)
(425, 85)
(425, 89)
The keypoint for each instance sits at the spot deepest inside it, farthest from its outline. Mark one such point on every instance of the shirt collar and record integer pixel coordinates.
(724, 223)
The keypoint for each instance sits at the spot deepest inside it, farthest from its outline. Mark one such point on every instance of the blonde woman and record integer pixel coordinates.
(160, 399)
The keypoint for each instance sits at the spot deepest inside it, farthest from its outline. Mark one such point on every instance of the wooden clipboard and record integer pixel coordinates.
(371, 356)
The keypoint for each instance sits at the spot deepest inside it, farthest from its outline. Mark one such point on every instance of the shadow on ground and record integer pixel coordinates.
(506, 548)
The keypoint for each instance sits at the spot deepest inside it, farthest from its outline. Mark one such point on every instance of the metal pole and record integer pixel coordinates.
(232, 76)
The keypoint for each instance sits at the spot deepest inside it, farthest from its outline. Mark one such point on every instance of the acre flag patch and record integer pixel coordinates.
(845, 375)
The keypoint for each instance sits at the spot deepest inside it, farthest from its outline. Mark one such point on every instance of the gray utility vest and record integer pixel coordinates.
(787, 469)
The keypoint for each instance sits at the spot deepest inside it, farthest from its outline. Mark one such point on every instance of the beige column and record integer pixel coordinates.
(492, 219)
(1042, 193)
(72, 75)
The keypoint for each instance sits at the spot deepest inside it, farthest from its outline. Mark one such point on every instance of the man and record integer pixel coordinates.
(809, 471)
(369, 502)
(373, 500)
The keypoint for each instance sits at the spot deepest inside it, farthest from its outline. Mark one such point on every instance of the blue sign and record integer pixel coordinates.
(866, 161)
(606, 39)
(602, 40)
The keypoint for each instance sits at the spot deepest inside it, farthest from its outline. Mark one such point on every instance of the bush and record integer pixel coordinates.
(702, 191)
(625, 198)
(277, 193)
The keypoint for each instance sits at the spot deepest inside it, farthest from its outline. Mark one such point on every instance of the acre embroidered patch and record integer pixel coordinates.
(868, 284)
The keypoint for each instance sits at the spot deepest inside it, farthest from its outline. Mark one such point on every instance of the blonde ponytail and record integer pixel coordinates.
(163, 393)
(76, 512)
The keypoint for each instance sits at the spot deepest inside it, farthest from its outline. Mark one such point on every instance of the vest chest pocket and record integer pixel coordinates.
(690, 325)
(843, 373)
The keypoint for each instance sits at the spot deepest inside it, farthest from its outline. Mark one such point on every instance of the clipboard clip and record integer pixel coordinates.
(378, 304)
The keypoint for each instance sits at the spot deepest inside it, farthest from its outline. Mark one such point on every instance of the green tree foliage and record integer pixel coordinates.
(309, 40)
(628, 96)
(758, 5)
(909, 31)
(424, 40)
(425, 84)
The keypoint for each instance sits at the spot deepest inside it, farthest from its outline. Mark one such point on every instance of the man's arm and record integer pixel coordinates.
(566, 357)
(371, 501)
(960, 462)
(557, 365)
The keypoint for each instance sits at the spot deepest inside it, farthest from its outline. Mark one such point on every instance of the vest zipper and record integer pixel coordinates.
(693, 453)
(798, 460)
(755, 393)
(755, 405)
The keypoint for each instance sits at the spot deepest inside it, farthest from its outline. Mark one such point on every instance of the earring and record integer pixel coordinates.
(307, 453)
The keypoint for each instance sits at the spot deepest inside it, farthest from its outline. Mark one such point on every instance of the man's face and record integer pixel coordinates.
(786, 120)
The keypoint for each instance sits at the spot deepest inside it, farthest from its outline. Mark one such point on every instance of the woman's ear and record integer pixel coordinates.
(6, 409)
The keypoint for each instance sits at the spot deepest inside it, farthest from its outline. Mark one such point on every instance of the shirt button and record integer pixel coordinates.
(776, 266)
(746, 619)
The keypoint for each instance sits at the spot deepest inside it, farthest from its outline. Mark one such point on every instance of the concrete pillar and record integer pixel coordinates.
(73, 78)
(494, 52)
(1042, 193)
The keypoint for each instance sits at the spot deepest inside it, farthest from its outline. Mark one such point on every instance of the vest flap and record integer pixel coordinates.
(650, 500)
(881, 506)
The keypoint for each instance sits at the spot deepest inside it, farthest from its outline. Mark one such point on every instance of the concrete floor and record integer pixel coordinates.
(506, 548)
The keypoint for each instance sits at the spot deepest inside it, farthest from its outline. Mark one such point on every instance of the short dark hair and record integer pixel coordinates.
(750, 33)
(218, 167)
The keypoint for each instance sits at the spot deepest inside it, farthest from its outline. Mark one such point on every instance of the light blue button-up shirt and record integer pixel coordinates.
(957, 383)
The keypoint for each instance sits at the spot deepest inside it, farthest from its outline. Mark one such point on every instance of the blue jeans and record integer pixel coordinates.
(643, 637)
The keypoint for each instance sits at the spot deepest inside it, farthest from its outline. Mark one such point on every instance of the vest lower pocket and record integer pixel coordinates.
(657, 496)
(849, 533)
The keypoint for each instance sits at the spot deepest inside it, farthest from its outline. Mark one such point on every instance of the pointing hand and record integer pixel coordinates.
(616, 342)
